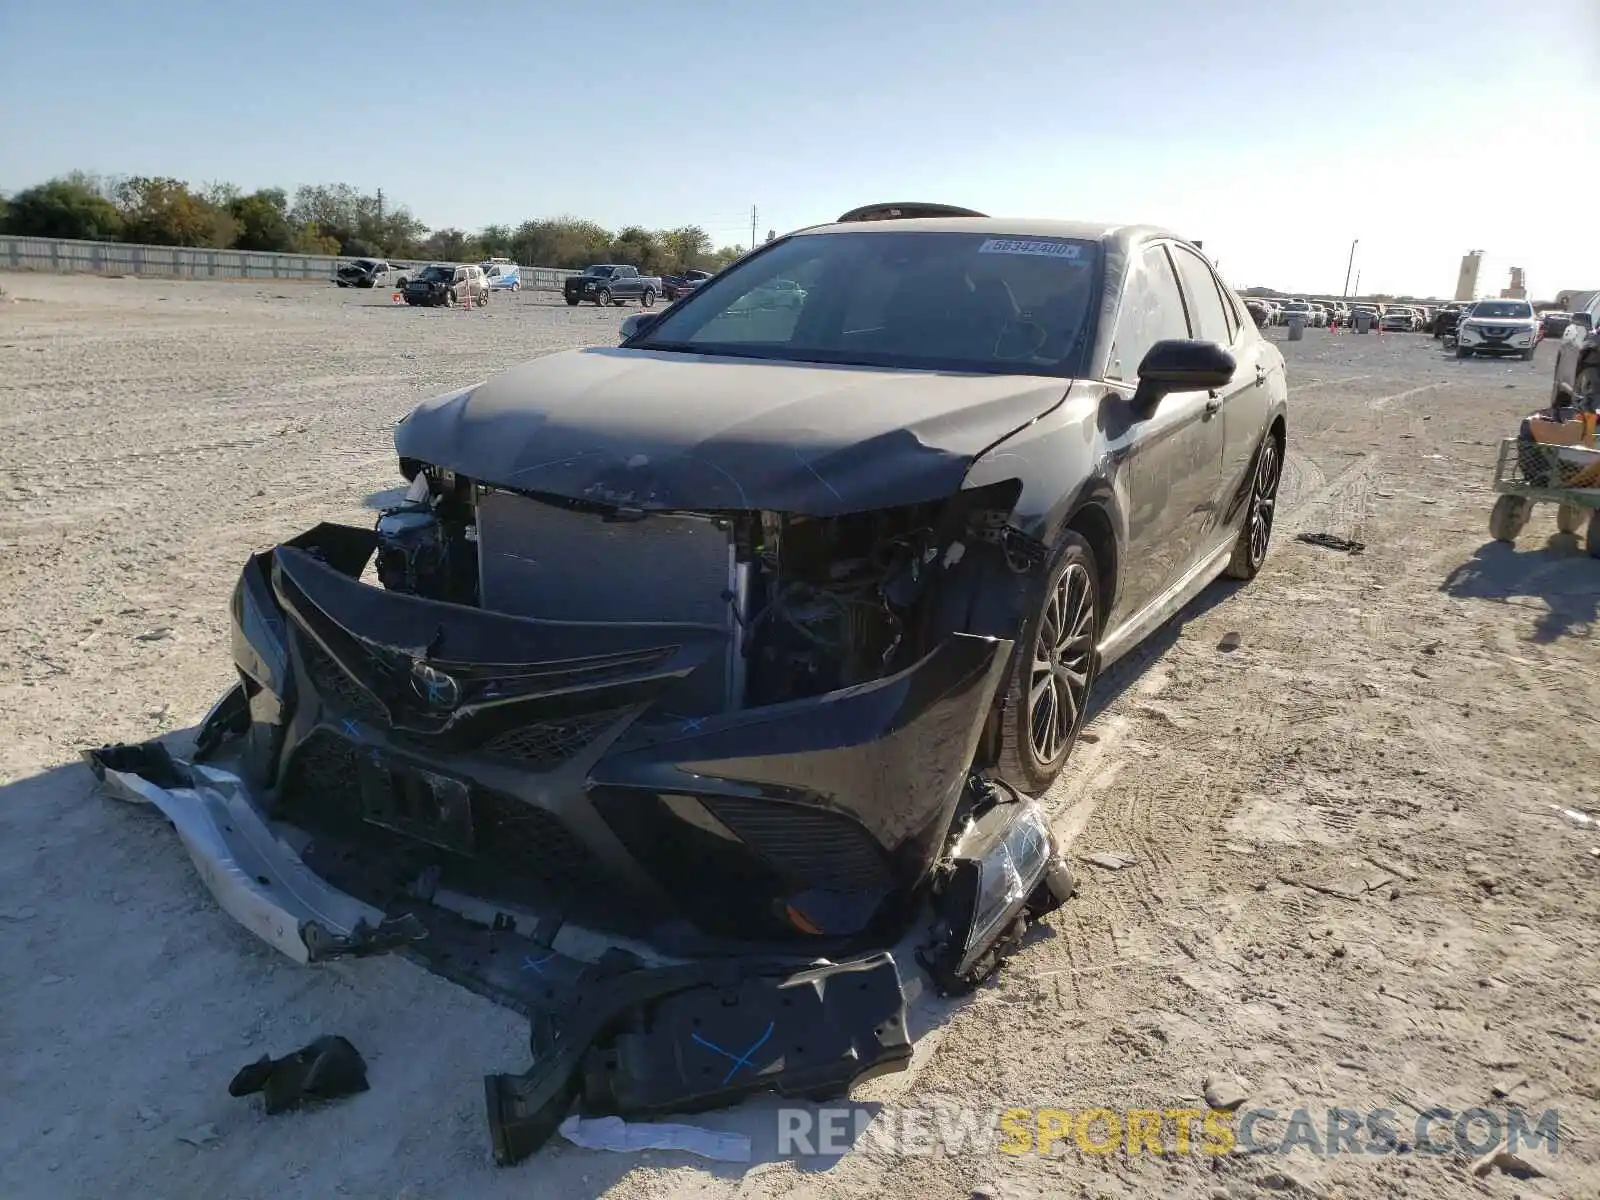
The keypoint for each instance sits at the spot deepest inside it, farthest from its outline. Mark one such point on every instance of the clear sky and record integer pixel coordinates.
(1274, 130)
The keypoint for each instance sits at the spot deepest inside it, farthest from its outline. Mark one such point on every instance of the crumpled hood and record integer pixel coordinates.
(679, 431)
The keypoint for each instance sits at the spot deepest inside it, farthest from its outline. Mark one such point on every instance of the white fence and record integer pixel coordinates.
(184, 262)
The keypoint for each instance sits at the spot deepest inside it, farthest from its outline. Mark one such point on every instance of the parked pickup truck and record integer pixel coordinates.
(611, 283)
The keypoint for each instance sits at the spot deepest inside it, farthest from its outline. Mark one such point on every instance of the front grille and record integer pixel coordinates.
(531, 844)
(527, 849)
(808, 845)
(322, 786)
(334, 685)
(547, 744)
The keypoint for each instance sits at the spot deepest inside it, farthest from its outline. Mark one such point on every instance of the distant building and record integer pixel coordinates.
(1467, 276)
(1518, 289)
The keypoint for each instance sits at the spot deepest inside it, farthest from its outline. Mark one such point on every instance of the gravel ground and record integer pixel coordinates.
(1351, 884)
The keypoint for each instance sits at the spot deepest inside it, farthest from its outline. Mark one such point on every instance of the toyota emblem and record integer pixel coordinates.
(434, 688)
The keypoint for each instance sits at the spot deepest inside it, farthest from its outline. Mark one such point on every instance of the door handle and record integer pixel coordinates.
(1213, 406)
(1261, 376)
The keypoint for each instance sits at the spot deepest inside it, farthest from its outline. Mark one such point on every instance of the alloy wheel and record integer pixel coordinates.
(1063, 657)
(1263, 502)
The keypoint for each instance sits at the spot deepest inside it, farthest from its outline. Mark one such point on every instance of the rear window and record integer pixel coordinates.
(907, 298)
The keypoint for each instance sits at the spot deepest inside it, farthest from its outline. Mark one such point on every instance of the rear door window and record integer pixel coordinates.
(1205, 301)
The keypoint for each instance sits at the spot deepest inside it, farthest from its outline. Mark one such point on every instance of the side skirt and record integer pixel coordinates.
(1165, 606)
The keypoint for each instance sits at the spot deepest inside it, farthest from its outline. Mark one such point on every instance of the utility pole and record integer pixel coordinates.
(1348, 265)
(380, 206)
(1358, 283)
(752, 227)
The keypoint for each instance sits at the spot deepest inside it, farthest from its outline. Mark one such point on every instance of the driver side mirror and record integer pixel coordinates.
(637, 324)
(1181, 365)
(1584, 321)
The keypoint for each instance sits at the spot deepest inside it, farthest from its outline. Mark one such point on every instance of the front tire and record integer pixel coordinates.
(647, 299)
(1255, 535)
(603, 298)
(1586, 383)
(1569, 518)
(1462, 351)
(1509, 517)
(1052, 672)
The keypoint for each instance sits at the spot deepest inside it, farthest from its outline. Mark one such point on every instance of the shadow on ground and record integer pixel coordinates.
(1125, 672)
(1559, 574)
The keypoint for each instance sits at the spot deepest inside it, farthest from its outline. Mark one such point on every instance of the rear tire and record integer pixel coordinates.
(1586, 383)
(1509, 517)
(1255, 535)
(1053, 670)
(647, 298)
(571, 303)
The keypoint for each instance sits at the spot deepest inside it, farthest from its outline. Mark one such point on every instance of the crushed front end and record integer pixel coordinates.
(738, 746)
(703, 730)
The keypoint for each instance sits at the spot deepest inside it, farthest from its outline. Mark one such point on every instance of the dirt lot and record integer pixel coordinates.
(1352, 885)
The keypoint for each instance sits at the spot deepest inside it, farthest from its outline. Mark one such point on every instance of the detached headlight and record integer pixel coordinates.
(1003, 873)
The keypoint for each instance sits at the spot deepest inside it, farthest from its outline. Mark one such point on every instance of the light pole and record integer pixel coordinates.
(1354, 242)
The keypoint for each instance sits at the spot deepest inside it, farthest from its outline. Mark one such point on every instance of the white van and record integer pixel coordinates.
(503, 274)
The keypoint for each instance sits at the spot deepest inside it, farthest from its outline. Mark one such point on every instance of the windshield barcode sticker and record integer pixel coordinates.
(1029, 246)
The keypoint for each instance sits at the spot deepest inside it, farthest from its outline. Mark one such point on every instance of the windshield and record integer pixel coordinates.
(436, 273)
(911, 299)
(1503, 309)
(604, 272)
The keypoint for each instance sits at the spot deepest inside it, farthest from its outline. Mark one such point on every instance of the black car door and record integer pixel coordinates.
(1234, 431)
(1175, 454)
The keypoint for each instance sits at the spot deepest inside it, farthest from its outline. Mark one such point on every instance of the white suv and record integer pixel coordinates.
(1498, 327)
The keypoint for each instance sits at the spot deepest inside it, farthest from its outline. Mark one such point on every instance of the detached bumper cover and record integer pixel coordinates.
(256, 877)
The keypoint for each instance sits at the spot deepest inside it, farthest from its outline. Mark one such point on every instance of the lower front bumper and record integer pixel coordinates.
(1482, 347)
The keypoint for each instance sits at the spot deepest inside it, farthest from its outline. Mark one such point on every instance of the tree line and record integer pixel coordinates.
(330, 219)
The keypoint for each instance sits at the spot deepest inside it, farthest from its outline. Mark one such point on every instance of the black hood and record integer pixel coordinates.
(680, 431)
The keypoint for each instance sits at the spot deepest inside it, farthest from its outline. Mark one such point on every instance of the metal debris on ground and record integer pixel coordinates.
(1331, 542)
(613, 1133)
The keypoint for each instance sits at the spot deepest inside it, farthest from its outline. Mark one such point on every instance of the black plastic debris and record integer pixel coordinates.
(811, 1034)
(327, 1069)
(1330, 541)
(632, 1040)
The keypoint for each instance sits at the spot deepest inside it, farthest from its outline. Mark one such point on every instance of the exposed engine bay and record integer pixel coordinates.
(810, 605)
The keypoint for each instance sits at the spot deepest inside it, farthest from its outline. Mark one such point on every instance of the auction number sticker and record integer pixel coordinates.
(1069, 250)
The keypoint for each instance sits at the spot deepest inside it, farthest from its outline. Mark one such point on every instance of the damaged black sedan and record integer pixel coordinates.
(746, 636)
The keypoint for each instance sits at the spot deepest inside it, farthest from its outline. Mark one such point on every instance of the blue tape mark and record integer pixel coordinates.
(351, 727)
(739, 1060)
(537, 967)
(693, 724)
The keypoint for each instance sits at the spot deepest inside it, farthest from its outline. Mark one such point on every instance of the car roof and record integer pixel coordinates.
(1120, 237)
